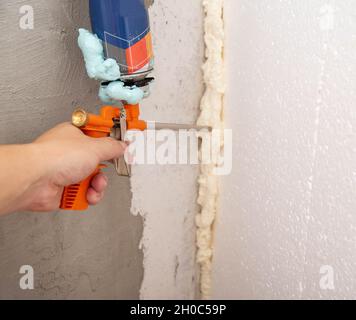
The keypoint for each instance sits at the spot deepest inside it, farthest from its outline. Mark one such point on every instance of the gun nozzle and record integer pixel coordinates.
(80, 118)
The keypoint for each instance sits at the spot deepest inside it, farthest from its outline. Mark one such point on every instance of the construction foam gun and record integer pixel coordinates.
(124, 28)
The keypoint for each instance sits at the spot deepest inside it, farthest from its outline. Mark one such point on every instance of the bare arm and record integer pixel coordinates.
(32, 176)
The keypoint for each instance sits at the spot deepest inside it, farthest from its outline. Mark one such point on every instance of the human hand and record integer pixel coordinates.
(65, 156)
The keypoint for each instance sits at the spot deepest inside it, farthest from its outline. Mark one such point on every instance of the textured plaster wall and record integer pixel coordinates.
(166, 195)
(289, 206)
(42, 79)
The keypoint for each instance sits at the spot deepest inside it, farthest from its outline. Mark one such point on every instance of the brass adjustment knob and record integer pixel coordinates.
(80, 118)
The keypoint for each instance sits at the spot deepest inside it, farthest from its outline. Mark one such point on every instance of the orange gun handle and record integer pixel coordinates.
(75, 196)
(97, 126)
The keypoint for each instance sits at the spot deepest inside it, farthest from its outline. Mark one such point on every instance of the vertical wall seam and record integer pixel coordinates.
(211, 115)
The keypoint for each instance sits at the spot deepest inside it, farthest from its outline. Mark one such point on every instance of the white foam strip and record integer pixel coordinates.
(211, 114)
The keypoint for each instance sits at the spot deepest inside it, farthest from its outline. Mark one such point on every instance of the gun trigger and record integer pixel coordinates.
(121, 166)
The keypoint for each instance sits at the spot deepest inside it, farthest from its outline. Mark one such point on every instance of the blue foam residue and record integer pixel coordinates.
(105, 70)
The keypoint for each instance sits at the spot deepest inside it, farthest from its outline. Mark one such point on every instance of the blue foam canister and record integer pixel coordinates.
(124, 28)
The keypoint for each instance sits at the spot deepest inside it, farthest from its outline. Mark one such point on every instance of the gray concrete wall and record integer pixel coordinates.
(42, 79)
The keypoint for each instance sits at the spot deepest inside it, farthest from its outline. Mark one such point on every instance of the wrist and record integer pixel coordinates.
(35, 178)
(21, 171)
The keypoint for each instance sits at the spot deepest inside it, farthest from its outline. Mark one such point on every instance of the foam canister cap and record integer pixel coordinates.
(124, 28)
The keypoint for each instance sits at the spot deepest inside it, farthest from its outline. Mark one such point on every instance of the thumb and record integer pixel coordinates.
(108, 148)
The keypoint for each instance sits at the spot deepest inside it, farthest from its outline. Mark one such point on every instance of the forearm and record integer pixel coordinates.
(20, 170)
